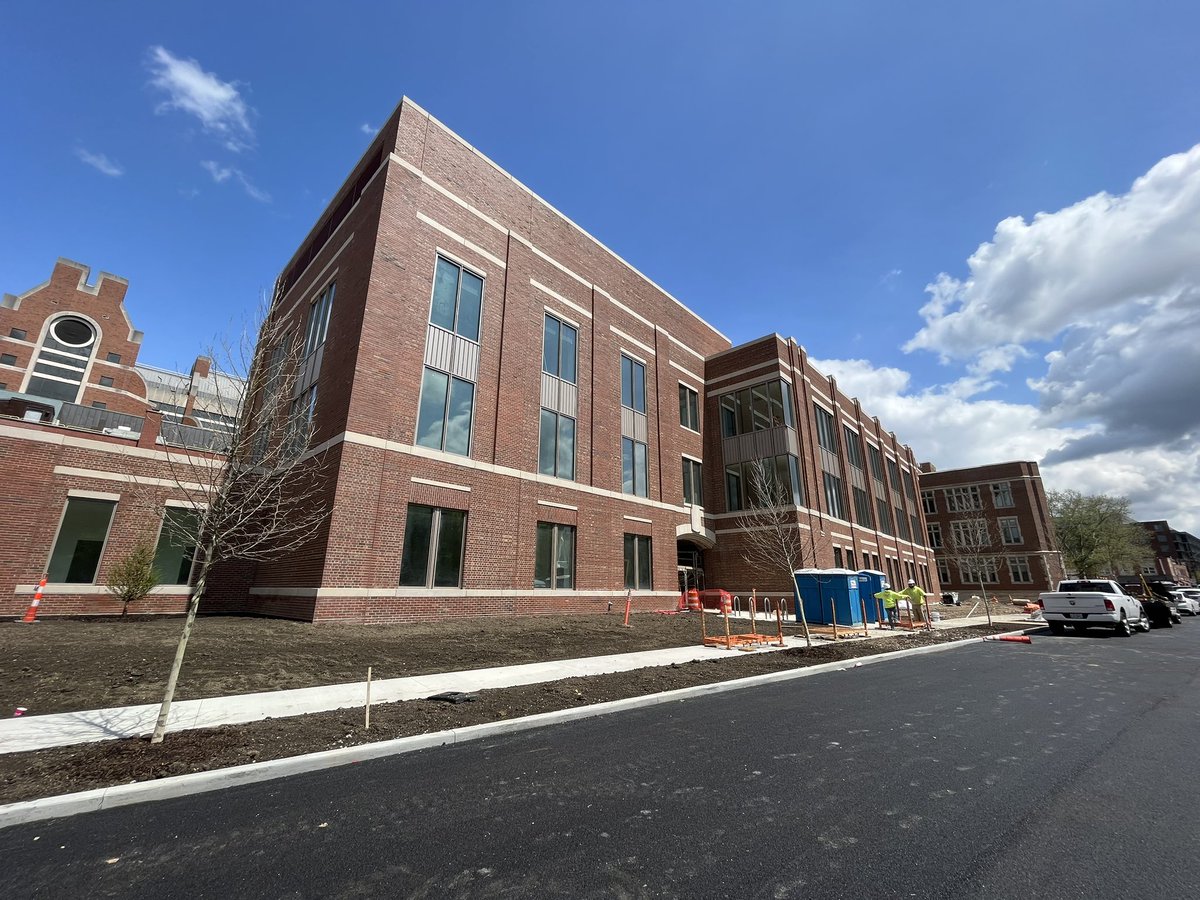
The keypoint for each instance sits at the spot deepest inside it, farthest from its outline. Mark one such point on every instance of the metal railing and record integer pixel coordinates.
(104, 420)
(190, 437)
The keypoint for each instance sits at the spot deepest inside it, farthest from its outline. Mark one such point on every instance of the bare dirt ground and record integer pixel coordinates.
(111, 654)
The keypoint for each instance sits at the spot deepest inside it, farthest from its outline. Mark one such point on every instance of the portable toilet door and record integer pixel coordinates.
(870, 583)
(828, 595)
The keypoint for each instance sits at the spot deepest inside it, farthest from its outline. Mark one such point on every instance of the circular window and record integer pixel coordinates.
(73, 332)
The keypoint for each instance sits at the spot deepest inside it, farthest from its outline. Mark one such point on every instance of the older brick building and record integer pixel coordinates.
(512, 419)
(1023, 556)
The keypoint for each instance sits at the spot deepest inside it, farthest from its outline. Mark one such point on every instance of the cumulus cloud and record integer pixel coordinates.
(221, 174)
(100, 163)
(368, 129)
(1112, 285)
(217, 104)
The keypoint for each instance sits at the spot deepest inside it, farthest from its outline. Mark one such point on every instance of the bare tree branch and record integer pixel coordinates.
(263, 499)
(972, 544)
(773, 536)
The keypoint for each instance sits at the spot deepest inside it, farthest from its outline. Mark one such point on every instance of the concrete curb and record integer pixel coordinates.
(218, 779)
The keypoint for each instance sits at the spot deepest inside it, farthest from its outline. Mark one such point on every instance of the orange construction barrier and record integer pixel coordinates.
(693, 600)
(31, 614)
(1012, 638)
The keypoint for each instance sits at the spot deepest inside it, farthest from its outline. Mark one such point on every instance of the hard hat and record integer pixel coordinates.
(911, 582)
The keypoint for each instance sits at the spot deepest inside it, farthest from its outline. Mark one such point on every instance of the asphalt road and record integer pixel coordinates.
(1060, 769)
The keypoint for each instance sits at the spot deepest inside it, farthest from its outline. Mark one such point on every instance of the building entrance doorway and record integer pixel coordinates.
(690, 567)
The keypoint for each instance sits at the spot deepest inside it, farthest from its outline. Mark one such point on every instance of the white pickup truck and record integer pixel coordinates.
(1092, 603)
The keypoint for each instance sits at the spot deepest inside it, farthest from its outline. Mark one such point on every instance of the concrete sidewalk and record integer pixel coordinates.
(63, 729)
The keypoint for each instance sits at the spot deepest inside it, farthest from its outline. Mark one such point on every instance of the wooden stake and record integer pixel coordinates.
(367, 715)
(863, 604)
(628, 604)
(728, 638)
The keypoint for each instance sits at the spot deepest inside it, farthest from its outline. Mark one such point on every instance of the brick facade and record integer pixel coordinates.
(1005, 491)
(420, 194)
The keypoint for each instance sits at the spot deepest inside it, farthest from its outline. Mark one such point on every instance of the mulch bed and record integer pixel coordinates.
(43, 773)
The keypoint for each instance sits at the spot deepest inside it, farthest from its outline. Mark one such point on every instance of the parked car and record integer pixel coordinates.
(1187, 603)
(1093, 603)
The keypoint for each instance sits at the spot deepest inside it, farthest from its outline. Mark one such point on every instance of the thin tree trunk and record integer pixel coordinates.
(160, 727)
(987, 604)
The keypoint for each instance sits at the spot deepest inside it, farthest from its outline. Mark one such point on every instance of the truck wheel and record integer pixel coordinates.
(1057, 628)
(1143, 622)
(1123, 629)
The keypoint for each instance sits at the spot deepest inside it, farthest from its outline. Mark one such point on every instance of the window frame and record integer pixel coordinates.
(435, 540)
(689, 408)
(562, 325)
(630, 381)
(556, 531)
(637, 541)
(1010, 526)
(58, 533)
(461, 267)
(693, 476)
(557, 419)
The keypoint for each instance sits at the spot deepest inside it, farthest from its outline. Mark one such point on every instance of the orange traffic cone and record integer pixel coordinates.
(31, 614)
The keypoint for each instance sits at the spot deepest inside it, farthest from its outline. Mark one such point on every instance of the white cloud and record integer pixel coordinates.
(1036, 279)
(217, 104)
(221, 174)
(100, 163)
(1112, 285)
(368, 129)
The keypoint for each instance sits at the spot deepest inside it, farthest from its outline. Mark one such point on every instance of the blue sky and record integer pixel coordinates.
(847, 174)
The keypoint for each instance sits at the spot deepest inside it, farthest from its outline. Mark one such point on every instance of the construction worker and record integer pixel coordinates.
(917, 596)
(889, 598)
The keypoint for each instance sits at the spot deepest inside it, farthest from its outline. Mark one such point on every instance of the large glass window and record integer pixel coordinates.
(910, 490)
(80, 541)
(637, 562)
(689, 408)
(1002, 495)
(962, 499)
(902, 525)
(835, 496)
(556, 445)
(560, 343)
(176, 546)
(876, 459)
(692, 491)
(777, 484)
(862, 507)
(457, 299)
(766, 405)
(64, 355)
(1010, 530)
(929, 501)
(826, 429)
(934, 530)
(633, 384)
(445, 413)
(893, 474)
(634, 456)
(884, 514)
(554, 556)
(1018, 568)
(318, 320)
(433, 547)
(854, 453)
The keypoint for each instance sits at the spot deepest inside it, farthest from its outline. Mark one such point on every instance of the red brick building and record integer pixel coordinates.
(509, 419)
(512, 419)
(1023, 558)
(89, 463)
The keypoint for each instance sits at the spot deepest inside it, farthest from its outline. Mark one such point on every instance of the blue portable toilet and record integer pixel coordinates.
(870, 583)
(827, 593)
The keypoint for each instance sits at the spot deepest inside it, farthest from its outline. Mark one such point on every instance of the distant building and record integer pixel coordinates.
(85, 453)
(1172, 554)
(1024, 559)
